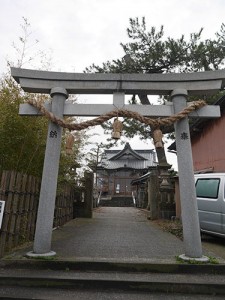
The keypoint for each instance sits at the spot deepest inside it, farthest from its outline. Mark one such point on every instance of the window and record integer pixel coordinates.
(207, 188)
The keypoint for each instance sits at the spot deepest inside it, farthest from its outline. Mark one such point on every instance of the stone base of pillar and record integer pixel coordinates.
(203, 259)
(32, 254)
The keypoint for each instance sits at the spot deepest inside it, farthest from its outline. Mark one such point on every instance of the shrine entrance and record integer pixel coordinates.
(177, 86)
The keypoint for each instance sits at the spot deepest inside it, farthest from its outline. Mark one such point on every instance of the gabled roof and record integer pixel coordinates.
(126, 152)
(128, 158)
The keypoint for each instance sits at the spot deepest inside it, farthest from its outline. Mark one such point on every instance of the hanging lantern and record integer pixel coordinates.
(117, 129)
(157, 136)
(69, 144)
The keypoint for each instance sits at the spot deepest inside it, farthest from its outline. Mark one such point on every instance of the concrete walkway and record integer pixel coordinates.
(117, 234)
(116, 254)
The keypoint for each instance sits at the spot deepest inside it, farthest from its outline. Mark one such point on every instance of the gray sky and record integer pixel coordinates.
(78, 33)
(82, 32)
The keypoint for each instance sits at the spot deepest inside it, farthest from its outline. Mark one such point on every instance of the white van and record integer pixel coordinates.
(210, 192)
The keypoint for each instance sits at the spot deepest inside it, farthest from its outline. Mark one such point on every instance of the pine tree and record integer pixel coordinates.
(149, 51)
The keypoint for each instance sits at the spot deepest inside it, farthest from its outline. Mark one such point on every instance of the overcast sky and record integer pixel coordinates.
(78, 33)
(82, 32)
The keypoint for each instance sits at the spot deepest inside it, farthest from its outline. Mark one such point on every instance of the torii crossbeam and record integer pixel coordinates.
(178, 86)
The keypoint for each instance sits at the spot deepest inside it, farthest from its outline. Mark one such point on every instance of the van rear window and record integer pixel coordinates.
(207, 188)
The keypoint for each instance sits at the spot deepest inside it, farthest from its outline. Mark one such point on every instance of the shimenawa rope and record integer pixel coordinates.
(156, 123)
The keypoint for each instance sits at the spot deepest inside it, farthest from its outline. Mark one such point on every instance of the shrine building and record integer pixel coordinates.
(118, 168)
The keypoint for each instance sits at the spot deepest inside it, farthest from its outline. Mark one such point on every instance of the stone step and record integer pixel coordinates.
(112, 265)
(119, 201)
(121, 276)
(142, 282)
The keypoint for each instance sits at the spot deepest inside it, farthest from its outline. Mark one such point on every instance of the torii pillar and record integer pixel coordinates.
(45, 215)
(190, 221)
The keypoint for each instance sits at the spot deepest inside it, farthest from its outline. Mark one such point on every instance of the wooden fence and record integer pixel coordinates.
(21, 194)
(64, 205)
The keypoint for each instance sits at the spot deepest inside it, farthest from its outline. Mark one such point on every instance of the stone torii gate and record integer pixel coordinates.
(177, 86)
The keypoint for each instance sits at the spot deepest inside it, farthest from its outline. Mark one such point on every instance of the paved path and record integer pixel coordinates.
(118, 234)
(121, 235)
(115, 233)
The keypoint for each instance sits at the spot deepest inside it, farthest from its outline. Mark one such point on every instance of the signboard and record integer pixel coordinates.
(2, 206)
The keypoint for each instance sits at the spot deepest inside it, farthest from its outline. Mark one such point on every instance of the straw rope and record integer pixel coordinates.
(119, 113)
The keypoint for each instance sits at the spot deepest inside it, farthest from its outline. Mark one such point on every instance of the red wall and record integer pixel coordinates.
(208, 146)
